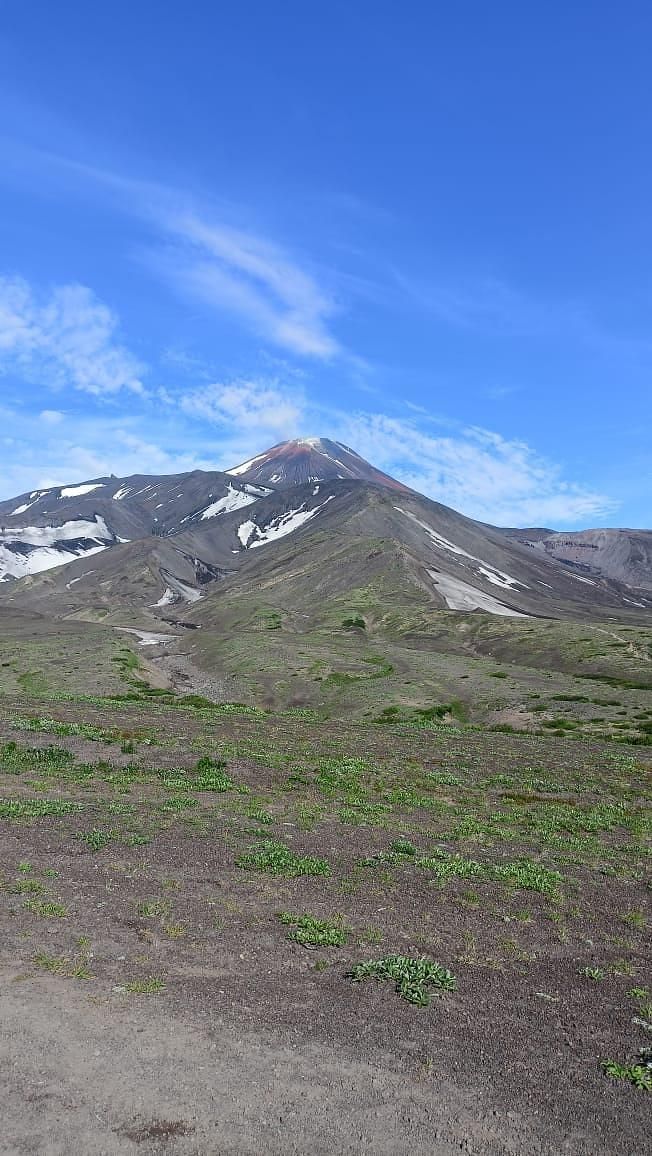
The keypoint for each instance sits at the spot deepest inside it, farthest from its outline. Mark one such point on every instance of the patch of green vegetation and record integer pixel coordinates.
(96, 839)
(359, 813)
(14, 759)
(179, 803)
(340, 775)
(355, 622)
(595, 973)
(422, 716)
(638, 1074)
(312, 932)
(50, 910)
(412, 977)
(277, 859)
(569, 698)
(444, 865)
(76, 968)
(384, 669)
(36, 808)
(77, 729)
(153, 908)
(211, 775)
(150, 986)
(527, 875)
(27, 887)
(442, 779)
(615, 681)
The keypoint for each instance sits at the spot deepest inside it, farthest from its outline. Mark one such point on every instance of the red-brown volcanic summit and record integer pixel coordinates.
(304, 460)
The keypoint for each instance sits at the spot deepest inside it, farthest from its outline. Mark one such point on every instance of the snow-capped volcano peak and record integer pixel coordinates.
(310, 459)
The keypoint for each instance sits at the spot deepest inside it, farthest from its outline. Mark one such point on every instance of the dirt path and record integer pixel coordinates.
(632, 649)
(104, 1077)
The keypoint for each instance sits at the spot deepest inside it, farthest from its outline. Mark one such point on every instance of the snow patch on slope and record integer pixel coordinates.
(18, 565)
(79, 491)
(252, 535)
(31, 549)
(459, 595)
(22, 509)
(49, 535)
(167, 598)
(497, 577)
(233, 500)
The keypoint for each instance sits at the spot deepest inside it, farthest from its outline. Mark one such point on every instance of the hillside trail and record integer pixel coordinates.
(632, 649)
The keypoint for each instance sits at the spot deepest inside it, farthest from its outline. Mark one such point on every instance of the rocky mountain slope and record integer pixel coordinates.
(307, 519)
(48, 527)
(624, 555)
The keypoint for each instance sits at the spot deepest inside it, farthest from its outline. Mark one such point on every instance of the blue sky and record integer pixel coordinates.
(422, 229)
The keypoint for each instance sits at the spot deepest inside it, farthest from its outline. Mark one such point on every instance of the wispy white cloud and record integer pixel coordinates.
(66, 338)
(251, 277)
(247, 413)
(203, 254)
(475, 471)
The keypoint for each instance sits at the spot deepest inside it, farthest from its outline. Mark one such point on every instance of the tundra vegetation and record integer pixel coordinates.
(406, 875)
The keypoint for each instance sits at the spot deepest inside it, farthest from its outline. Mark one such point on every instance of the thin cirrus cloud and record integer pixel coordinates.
(64, 338)
(251, 277)
(201, 254)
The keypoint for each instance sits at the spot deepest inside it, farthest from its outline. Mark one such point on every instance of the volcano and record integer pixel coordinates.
(294, 463)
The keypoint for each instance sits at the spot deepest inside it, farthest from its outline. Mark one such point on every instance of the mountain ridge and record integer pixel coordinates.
(160, 541)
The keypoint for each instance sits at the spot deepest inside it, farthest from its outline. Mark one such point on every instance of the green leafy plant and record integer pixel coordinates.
(36, 808)
(149, 986)
(596, 973)
(51, 910)
(211, 775)
(311, 932)
(95, 840)
(277, 859)
(412, 977)
(638, 1074)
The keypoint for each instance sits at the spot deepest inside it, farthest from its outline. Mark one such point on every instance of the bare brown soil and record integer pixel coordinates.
(255, 1044)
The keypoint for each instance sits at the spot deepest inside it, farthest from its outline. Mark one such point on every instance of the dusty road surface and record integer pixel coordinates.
(98, 1077)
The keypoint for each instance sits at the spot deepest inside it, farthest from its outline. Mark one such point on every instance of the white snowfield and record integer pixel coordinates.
(491, 573)
(252, 535)
(123, 492)
(232, 500)
(459, 595)
(167, 598)
(32, 549)
(48, 535)
(40, 558)
(79, 491)
(147, 637)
